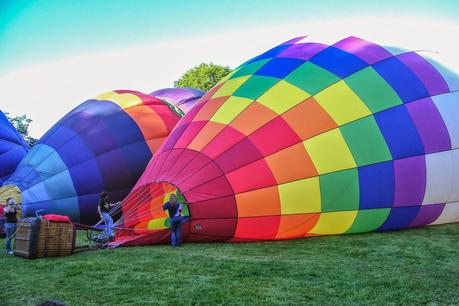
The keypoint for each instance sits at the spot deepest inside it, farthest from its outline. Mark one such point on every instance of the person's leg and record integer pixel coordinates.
(104, 218)
(178, 232)
(110, 224)
(173, 232)
(9, 229)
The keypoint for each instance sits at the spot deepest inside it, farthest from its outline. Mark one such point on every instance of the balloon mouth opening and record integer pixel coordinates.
(142, 210)
(13, 192)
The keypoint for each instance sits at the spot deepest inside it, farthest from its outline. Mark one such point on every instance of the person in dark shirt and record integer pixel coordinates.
(175, 214)
(104, 208)
(10, 212)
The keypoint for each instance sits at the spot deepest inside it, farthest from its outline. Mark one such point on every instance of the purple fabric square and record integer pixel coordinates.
(430, 125)
(429, 76)
(302, 51)
(410, 181)
(367, 51)
(427, 215)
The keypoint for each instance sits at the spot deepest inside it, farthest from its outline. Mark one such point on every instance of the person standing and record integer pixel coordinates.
(104, 209)
(10, 212)
(175, 214)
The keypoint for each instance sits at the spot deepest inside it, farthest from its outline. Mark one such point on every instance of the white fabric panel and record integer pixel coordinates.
(448, 106)
(449, 214)
(454, 195)
(439, 180)
(451, 78)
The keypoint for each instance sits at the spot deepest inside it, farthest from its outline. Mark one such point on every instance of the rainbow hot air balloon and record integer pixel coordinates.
(309, 139)
(182, 98)
(13, 148)
(103, 144)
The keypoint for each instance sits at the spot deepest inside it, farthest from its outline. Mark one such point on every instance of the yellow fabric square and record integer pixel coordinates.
(156, 224)
(230, 109)
(301, 196)
(333, 223)
(124, 100)
(230, 86)
(283, 96)
(341, 103)
(329, 152)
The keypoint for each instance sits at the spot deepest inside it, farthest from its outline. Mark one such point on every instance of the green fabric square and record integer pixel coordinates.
(377, 94)
(311, 78)
(255, 86)
(369, 220)
(250, 68)
(340, 191)
(365, 141)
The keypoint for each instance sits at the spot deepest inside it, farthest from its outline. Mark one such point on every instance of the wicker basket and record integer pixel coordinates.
(37, 238)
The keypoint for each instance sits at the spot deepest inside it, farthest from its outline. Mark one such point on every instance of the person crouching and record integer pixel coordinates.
(175, 214)
(104, 209)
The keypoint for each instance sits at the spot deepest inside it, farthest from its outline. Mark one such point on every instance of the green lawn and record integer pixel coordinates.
(418, 267)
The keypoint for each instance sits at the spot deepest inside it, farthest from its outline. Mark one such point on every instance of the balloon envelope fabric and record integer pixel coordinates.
(13, 148)
(103, 144)
(182, 98)
(310, 139)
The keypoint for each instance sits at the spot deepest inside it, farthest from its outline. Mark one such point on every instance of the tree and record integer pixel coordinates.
(203, 76)
(21, 123)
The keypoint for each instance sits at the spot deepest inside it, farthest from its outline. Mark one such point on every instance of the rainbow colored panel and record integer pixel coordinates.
(308, 139)
(103, 144)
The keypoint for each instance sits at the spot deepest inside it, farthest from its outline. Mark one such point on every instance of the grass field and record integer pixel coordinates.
(416, 267)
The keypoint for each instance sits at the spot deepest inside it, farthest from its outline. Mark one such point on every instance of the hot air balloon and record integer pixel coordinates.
(103, 144)
(182, 98)
(13, 148)
(309, 139)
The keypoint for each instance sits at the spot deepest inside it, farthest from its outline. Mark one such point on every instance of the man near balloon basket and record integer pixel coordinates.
(10, 212)
(104, 213)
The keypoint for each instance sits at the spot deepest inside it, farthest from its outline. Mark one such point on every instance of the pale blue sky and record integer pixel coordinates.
(55, 54)
(42, 30)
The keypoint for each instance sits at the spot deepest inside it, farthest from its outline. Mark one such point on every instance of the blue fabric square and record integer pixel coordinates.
(338, 62)
(86, 177)
(402, 79)
(377, 185)
(400, 217)
(279, 67)
(268, 54)
(399, 132)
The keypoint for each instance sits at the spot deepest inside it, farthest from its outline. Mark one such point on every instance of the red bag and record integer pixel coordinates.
(57, 218)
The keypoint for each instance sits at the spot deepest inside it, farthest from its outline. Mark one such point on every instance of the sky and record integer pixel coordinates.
(55, 54)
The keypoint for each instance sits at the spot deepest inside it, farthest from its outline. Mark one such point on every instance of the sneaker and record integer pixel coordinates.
(9, 253)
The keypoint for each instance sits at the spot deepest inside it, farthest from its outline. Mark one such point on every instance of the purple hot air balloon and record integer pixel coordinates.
(182, 98)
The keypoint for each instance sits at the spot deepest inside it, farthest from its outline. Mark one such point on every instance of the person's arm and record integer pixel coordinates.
(100, 212)
(7, 209)
(166, 206)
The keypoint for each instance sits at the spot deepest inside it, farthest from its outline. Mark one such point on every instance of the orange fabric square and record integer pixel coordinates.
(208, 132)
(296, 226)
(207, 111)
(290, 164)
(260, 202)
(149, 122)
(309, 119)
(252, 118)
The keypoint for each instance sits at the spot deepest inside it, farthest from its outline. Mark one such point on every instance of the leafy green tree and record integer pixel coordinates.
(21, 123)
(203, 76)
